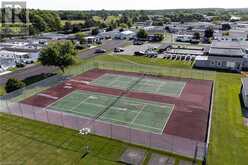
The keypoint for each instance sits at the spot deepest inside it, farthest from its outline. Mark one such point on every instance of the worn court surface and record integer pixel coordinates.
(138, 114)
(145, 85)
(186, 106)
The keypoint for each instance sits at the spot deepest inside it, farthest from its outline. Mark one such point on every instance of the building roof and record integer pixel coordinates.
(127, 32)
(227, 48)
(232, 52)
(201, 58)
(165, 46)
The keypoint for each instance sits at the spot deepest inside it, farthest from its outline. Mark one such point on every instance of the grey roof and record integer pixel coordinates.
(230, 59)
(229, 44)
(233, 52)
(165, 46)
(245, 85)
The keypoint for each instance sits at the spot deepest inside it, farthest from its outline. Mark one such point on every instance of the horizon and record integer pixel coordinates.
(77, 5)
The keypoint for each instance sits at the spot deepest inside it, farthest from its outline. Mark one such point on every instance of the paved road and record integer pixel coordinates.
(21, 74)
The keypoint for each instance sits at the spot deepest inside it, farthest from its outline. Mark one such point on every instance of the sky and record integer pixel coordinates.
(132, 4)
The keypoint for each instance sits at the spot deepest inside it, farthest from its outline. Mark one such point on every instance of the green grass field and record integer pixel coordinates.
(2, 91)
(229, 142)
(72, 21)
(145, 60)
(25, 141)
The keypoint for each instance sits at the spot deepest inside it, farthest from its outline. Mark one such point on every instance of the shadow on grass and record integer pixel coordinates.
(244, 110)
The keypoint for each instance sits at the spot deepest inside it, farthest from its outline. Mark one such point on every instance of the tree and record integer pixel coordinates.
(159, 37)
(95, 31)
(80, 37)
(13, 84)
(142, 34)
(196, 35)
(209, 32)
(59, 54)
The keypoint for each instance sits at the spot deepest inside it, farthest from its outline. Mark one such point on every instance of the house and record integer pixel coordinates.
(184, 38)
(6, 63)
(125, 35)
(231, 56)
(109, 34)
(244, 91)
(90, 39)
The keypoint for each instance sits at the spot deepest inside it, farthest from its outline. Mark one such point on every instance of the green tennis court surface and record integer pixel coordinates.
(138, 114)
(146, 85)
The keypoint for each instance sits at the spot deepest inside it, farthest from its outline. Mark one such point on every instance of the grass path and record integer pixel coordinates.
(229, 137)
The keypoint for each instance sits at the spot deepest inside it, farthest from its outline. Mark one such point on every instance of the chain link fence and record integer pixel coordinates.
(11, 104)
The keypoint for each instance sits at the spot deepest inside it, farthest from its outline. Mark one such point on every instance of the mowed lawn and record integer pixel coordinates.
(24, 141)
(2, 91)
(145, 61)
(229, 136)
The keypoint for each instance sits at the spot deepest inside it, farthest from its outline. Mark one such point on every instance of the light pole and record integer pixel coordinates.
(85, 132)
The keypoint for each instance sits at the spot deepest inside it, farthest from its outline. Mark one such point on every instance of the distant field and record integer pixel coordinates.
(108, 20)
(72, 21)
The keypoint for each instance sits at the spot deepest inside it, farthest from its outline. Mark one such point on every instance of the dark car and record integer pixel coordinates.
(118, 50)
(138, 42)
(139, 53)
(100, 51)
(99, 42)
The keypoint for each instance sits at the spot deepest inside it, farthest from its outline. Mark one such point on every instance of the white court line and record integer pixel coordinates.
(48, 96)
(127, 123)
(141, 110)
(80, 81)
(168, 118)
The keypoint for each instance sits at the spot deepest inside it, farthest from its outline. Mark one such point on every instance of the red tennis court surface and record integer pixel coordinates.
(189, 118)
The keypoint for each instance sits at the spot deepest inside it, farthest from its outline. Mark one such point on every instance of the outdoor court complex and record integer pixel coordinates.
(143, 103)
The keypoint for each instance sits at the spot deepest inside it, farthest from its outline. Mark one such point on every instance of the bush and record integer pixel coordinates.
(13, 84)
(142, 34)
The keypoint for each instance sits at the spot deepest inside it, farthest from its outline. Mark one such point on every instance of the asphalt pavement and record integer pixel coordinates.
(23, 73)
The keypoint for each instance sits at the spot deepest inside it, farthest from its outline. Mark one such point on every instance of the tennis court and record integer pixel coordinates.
(145, 85)
(135, 113)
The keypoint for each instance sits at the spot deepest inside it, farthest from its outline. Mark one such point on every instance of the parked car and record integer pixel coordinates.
(151, 53)
(20, 65)
(139, 53)
(27, 61)
(118, 50)
(100, 51)
(99, 42)
(138, 42)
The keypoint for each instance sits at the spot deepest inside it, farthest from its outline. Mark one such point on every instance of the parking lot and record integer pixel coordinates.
(129, 50)
(174, 53)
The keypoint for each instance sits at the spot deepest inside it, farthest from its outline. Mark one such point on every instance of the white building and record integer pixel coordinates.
(6, 63)
(125, 35)
(231, 56)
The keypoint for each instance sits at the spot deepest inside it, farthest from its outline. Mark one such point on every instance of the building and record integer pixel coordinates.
(125, 35)
(244, 91)
(231, 35)
(184, 38)
(231, 56)
(6, 63)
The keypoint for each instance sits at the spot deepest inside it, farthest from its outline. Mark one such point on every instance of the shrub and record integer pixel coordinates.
(13, 84)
